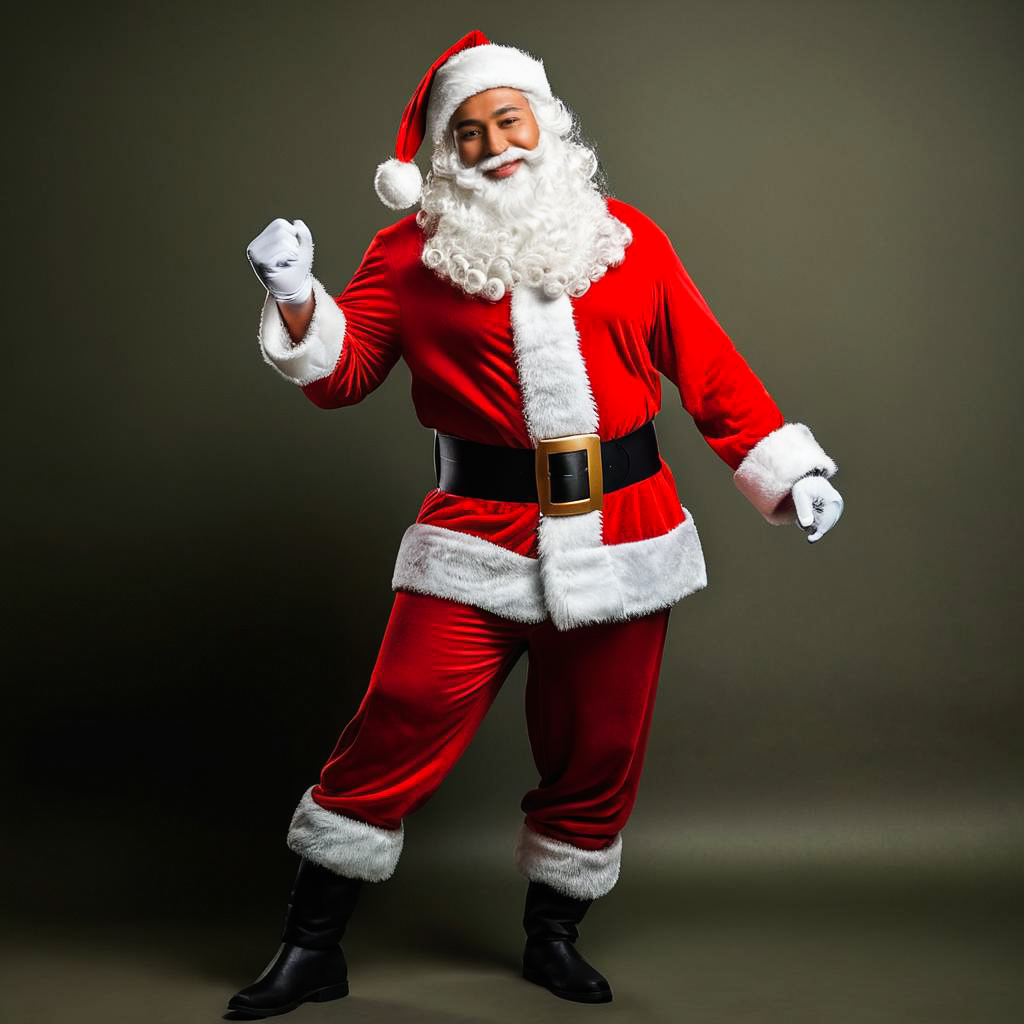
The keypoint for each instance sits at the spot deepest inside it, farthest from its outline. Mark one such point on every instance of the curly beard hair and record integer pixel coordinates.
(547, 224)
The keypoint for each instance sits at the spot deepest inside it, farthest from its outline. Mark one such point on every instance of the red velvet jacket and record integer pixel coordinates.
(529, 367)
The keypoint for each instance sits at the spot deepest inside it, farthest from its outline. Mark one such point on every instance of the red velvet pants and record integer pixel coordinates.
(589, 698)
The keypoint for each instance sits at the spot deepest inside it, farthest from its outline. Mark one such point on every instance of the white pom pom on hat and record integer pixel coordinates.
(471, 65)
(398, 183)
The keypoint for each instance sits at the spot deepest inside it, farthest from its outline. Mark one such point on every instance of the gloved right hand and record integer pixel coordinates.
(282, 257)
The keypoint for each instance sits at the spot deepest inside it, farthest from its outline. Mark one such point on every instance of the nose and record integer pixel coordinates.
(496, 143)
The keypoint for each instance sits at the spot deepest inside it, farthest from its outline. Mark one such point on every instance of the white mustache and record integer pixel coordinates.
(475, 178)
(510, 155)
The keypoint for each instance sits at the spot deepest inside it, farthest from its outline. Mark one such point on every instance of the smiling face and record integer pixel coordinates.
(487, 124)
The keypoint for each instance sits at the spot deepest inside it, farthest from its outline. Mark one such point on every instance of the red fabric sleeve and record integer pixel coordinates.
(371, 344)
(730, 406)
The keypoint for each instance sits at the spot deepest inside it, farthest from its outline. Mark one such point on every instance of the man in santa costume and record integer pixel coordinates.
(535, 314)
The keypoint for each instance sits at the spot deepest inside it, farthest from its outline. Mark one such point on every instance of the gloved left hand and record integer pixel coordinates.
(818, 505)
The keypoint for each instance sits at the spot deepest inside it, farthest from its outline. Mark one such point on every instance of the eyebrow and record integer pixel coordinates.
(497, 113)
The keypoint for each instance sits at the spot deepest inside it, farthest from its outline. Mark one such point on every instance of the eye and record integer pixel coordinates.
(510, 120)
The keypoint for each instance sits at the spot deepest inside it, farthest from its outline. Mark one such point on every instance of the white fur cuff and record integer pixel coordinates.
(318, 351)
(774, 464)
(344, 845)
(583, 874)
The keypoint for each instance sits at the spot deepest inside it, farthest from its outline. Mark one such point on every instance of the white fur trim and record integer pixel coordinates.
(319, 349)
(774, 464)
(583, 874)
(557, 399)
(586, 581)
(398, 183)
(657, 572)
(469, 569)
(577, 570)
(473, 70)
(344, 845)
(575, 585)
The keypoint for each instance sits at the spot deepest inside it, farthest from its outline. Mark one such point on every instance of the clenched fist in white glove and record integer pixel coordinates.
(282, 257)
(818, 505)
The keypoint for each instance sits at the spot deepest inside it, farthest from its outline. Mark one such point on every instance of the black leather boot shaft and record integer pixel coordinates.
(550, 957)
(320, 904)
(550, 914)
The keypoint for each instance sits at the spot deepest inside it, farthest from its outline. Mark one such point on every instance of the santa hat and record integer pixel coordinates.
(469, 66)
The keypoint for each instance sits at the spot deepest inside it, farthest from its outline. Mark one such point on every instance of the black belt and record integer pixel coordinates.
(570, 477)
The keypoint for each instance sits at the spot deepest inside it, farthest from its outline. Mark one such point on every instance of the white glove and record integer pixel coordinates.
(818, 504)
(282, 257)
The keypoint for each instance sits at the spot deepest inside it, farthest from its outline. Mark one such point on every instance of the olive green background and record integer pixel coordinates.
(199, 560)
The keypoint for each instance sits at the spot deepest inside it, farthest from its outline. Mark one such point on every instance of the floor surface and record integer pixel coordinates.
(899, 946)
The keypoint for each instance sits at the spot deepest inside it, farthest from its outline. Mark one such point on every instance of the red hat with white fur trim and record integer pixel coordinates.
(470, 66)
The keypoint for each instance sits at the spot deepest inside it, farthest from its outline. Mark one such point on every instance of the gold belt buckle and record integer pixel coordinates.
(591, 443)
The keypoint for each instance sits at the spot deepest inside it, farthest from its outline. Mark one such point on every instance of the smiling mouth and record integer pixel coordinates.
(505, 169)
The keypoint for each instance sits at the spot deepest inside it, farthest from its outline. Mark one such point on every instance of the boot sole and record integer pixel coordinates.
(321, 995)
(562, 993)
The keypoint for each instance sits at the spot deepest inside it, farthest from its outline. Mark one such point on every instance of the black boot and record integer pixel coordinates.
(309, 966)
(550, 958)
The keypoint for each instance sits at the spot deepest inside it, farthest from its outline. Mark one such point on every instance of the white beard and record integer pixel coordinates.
(547, 224)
